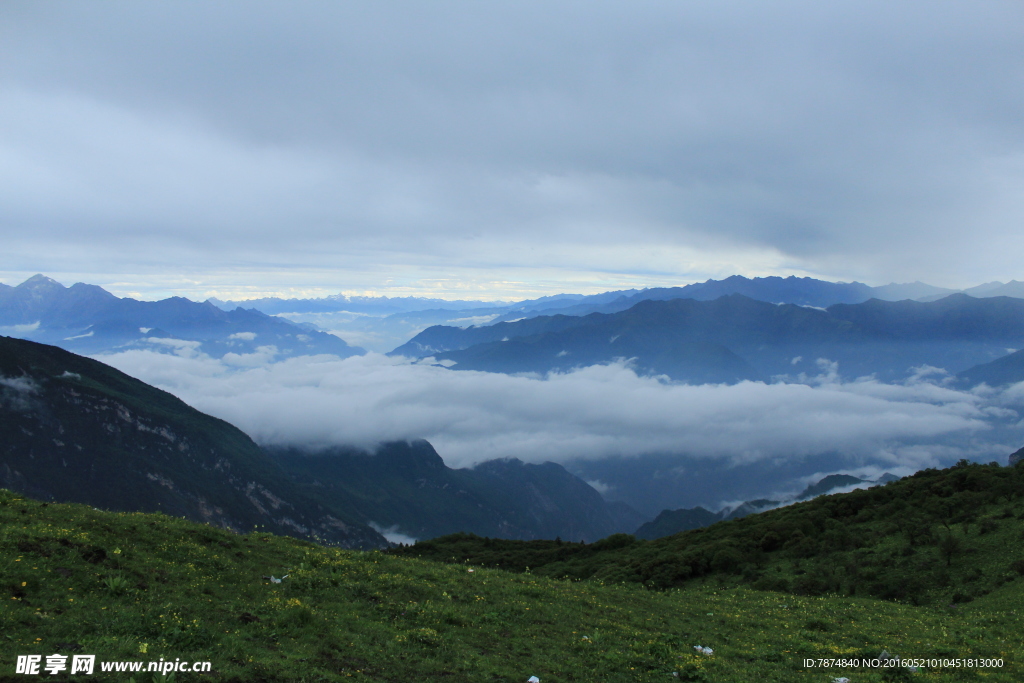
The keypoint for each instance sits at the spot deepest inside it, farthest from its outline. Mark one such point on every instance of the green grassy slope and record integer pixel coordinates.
(133, 586)
(938, 537)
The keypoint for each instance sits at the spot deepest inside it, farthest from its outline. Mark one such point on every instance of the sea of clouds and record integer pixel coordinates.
(591, 413)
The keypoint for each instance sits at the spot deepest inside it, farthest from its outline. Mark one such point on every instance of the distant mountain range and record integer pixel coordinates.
(804, 291)
(699, 333)
(734, 338)
(365, 305)
(88, 319)
(382, 323)
(671, 522)
(75, 430)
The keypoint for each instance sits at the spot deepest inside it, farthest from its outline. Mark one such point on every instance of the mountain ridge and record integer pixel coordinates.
(88, 319)
(736, 337)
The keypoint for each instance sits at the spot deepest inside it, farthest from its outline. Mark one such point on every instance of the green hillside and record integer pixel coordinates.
(938, 537)
(138, 587)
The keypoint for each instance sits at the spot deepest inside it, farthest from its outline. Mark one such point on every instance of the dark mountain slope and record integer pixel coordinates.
(408, 486)
(76, 430)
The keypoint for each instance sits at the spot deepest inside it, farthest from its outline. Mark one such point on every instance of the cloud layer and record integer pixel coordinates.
(501, 149)
(593, 413)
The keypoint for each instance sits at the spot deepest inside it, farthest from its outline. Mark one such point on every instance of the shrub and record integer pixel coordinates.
(770, 541)
(816, 625)
(772, 583)
(987, 525)
(809, 585)
(117, 584)
(727, 560)
(426, 636)
(614, 542)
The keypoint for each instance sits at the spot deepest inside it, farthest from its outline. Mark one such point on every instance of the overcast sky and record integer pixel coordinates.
(508, 149)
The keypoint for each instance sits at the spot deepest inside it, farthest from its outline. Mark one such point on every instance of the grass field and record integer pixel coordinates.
(140, 587)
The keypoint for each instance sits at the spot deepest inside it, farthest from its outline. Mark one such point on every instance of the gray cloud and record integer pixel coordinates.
(521, 147)
(18, 393)
(593, 413)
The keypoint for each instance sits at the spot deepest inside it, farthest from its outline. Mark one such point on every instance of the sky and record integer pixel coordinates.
(507, 150)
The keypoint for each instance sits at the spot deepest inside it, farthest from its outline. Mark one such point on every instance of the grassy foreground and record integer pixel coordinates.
(937, 537)
(129, 586)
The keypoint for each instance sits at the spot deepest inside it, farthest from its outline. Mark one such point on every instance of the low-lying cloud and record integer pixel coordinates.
(592, 413)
